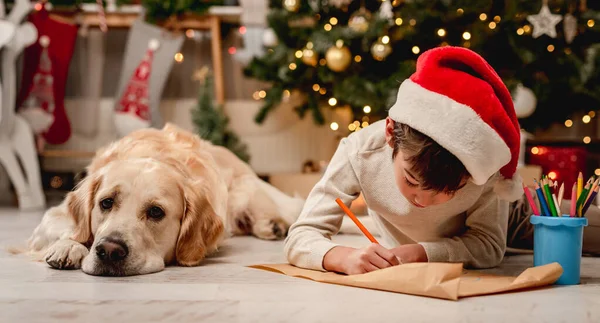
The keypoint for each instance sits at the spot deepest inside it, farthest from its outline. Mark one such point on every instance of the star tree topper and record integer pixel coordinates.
(544, 22)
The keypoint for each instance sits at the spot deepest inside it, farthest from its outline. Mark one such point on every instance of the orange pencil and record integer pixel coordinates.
(355, 220)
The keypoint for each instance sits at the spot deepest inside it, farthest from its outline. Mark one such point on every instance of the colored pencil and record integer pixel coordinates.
(579, 184)
(591, 190)
(542, 200)
(356, 221)
(558, 212)
(534, 208)
(582, 197)
(561, 193)
(573, 200)
(549, 200)
(541, 183)
(555, 187)
(590, 200)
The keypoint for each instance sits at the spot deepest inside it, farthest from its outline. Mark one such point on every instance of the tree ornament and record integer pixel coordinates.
(524, 101)
(309, 56)
(386, 11)
(381, 48)
(314, 5)
(359, 21)
(570, 27)
(544, 22)
(269, 38)
(291, 5)
(338, 57)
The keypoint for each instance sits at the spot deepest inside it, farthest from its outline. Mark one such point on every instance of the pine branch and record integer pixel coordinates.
(562, 78)
(212, 124)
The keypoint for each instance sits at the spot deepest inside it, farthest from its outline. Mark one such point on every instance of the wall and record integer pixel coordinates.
(281, 145)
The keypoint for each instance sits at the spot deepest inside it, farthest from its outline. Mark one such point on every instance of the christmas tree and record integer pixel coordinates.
(211, 123)
(356, 53)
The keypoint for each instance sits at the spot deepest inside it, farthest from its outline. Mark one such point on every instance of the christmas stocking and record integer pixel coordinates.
(38, 109)
(46, 65)
(148, 60)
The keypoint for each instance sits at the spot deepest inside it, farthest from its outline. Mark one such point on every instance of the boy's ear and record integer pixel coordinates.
(389, 131)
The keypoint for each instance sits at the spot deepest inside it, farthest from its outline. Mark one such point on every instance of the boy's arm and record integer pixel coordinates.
(484, 242)
(309, 238)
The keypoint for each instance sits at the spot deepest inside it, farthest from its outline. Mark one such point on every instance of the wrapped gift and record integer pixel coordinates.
(562, 164)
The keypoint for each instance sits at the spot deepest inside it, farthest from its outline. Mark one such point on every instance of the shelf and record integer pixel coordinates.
(67, 154)
(126, 15)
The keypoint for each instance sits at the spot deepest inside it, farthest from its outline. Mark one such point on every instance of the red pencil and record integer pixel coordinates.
(530, 199)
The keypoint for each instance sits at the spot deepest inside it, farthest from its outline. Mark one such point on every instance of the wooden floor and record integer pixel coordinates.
(224, 290)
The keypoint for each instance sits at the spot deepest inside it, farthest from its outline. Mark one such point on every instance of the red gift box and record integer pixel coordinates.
(561, 164)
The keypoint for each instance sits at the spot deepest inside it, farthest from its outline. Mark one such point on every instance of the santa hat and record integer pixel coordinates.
(456, 98)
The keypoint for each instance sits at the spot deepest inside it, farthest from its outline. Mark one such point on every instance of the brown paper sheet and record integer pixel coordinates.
(439, 280)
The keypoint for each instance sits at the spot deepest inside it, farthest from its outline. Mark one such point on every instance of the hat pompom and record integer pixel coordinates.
(509, 189)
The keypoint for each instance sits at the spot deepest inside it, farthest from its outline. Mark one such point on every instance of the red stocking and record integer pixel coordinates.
(60, 41)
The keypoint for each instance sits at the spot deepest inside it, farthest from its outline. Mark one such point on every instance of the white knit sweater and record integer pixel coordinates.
(470, 228)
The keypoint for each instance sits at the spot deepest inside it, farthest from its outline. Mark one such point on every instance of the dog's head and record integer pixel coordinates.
(138, 214)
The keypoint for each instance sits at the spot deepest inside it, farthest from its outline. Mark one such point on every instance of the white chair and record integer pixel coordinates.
(16, 137)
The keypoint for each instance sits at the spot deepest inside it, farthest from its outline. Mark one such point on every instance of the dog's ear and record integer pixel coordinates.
(202, 225)
(80, 203)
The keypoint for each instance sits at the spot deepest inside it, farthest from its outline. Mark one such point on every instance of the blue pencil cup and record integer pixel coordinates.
(559, 239)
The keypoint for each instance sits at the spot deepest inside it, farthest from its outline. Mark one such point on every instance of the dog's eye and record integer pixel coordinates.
(107, 204)
(155, 213)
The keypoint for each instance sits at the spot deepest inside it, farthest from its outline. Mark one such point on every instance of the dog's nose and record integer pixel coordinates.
(111, 250)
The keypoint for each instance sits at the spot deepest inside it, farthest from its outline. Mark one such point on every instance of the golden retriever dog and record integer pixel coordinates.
(159, 197)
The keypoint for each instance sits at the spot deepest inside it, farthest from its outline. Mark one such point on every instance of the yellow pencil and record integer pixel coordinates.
(579, 184)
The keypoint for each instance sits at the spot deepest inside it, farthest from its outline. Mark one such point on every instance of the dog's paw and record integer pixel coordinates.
(66, 254)
(243, 224)
(270, 229)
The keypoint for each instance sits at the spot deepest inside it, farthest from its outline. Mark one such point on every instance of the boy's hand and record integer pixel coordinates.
(410, 253)
(359, 261)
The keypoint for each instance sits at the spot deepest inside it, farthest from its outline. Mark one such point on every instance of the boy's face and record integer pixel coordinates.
(409, 186)
(408, 183)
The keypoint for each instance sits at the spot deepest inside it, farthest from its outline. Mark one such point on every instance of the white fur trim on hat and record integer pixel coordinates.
(454, 126)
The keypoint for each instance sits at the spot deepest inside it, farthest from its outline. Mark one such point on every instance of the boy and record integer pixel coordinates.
(437, 175)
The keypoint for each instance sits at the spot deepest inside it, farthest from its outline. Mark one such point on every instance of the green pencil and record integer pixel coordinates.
(549, 198)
